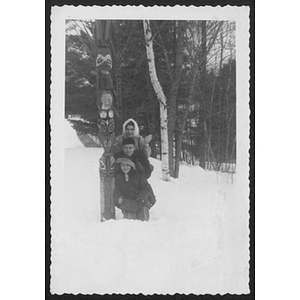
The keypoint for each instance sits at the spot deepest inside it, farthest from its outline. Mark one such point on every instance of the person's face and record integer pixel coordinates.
(129, 130)
(128, 149)
(125, 167)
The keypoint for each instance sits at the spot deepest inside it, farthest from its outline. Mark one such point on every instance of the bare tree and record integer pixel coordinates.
(197, 63)
(174, 72)
(221, 112)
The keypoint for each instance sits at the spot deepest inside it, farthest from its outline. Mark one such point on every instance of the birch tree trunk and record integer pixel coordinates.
(162, 100)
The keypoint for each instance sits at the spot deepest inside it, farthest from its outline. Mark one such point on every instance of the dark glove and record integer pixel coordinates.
(140, 200)
(131, 205)
(145, 203)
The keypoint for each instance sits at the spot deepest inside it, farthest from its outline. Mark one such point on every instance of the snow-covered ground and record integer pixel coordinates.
(197, 239)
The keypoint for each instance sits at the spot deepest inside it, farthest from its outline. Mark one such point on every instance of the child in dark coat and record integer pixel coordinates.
(131, 192)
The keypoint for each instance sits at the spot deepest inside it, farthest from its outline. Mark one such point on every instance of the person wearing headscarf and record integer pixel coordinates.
(131, 129)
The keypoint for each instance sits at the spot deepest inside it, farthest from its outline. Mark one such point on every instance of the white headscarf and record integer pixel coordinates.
(136, 127)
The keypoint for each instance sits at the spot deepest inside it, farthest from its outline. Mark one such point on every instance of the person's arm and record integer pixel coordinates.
(117, 146)
(144, 189)
(144, 144)
(117, 166)
(143, 165)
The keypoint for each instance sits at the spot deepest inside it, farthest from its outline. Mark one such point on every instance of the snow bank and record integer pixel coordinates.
(195, 242)
(71, 138)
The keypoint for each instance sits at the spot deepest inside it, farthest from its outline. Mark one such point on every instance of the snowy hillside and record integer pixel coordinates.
(195, 242)
(71, 138)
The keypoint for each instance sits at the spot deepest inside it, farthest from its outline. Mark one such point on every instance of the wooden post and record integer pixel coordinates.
(106, 123)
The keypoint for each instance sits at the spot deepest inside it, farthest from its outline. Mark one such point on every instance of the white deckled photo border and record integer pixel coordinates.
(58, 16)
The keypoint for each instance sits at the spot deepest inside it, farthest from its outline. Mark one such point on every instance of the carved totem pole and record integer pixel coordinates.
(106, 124)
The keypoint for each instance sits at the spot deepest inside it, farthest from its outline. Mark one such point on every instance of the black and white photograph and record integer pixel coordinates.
(150, 140)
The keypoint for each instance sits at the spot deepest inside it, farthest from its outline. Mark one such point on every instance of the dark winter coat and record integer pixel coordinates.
(135, 191)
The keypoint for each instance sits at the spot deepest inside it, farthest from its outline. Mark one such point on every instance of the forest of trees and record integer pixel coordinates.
(196, 67)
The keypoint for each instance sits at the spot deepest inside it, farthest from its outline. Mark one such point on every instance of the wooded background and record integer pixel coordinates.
(196, 67)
